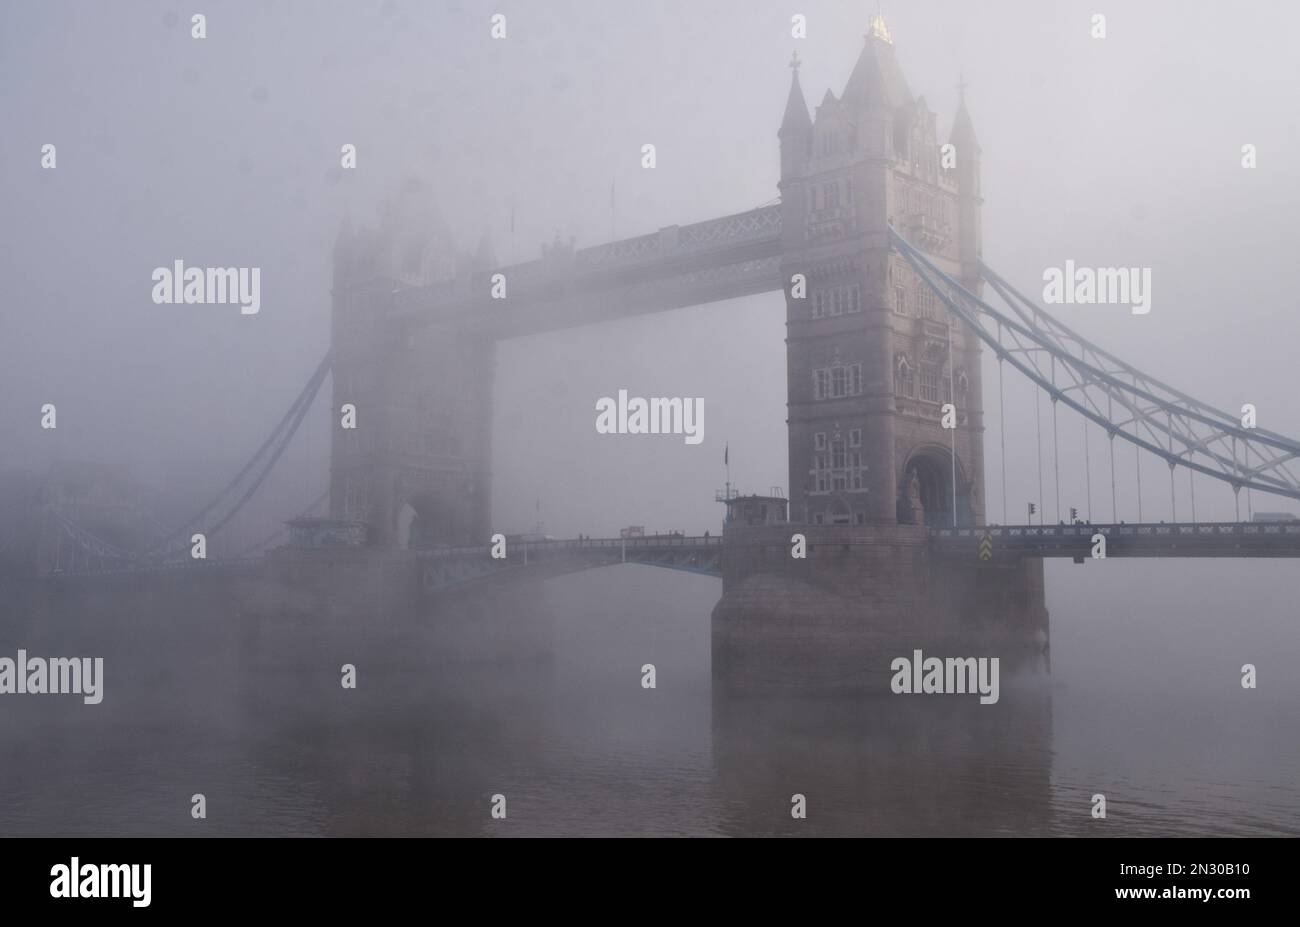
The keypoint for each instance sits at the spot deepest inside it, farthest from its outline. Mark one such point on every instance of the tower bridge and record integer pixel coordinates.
(876, 244)
(860, 323)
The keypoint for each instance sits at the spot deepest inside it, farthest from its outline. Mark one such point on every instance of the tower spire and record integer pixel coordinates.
(876, 29)
(963, 131)
(877, 80)
(796, 118)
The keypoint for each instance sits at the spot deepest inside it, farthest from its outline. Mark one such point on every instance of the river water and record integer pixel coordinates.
(1144, 706)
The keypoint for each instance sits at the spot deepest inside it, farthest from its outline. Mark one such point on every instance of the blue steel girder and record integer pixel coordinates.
(1189, 411)
(173, 547)
(1209, 438)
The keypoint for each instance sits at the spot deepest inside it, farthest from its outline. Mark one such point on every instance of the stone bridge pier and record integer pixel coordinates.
(863, 596)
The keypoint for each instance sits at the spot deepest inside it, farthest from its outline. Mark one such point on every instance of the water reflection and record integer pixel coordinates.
(536, 695)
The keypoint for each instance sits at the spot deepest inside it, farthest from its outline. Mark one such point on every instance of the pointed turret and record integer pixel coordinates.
(796, 129)
(963, 130)
(877, 80)
(796, 120)
(970, 235)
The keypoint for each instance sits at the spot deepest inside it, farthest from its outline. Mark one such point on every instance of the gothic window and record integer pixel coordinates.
(900, 299)
(356, 499)
(835, 301)
(930, 382)
(821, 470)
(927, 302)
(835, 466)
(837, 382)
(904, 380)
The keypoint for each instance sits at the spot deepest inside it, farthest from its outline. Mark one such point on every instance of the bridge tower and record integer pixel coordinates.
(873, 355)
(416, 467)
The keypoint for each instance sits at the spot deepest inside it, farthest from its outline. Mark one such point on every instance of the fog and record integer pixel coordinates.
(225, 152)
(1122, 151)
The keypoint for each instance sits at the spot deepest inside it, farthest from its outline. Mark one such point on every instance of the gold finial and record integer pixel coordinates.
(794, 60)
(878, 29)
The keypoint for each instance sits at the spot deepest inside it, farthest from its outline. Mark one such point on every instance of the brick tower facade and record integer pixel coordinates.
(872, 353)
(416, 469)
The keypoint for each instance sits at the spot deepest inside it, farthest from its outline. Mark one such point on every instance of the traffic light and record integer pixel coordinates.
(1074, 514)
(1032, 509)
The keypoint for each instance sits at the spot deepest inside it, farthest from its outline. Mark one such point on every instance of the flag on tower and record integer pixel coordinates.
(726, 455)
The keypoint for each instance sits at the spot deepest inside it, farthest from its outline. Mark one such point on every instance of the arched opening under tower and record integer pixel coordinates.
(428, 520)
(926, 490)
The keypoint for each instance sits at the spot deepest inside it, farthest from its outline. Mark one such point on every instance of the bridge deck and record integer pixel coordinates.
(444, 568)
(1178, 539)
(677, 266)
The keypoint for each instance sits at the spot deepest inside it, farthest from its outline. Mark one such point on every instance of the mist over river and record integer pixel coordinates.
(1157, 722)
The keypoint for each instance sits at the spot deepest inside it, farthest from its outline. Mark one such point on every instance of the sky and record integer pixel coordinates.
(1123, 151)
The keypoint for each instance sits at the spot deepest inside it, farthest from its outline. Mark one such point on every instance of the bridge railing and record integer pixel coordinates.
(1228, 528)
(169, 566)
(573, 544)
